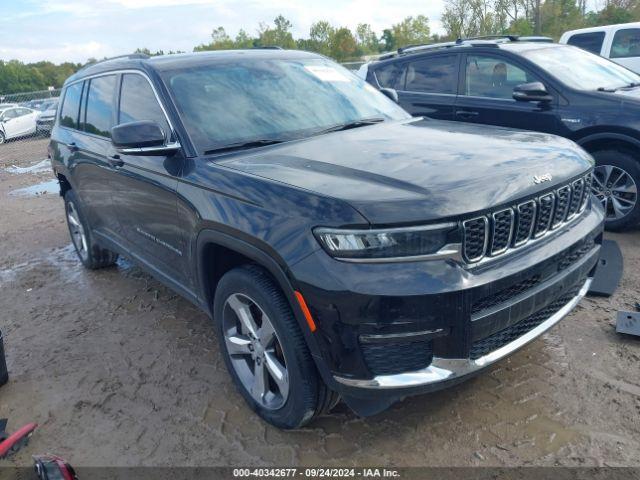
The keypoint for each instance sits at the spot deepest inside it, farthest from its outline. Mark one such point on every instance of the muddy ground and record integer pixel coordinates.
(118, 370)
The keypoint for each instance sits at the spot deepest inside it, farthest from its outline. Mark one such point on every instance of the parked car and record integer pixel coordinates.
(46, 117)
(342, 247)
(620, 43)
(537, 86)
(17, 122)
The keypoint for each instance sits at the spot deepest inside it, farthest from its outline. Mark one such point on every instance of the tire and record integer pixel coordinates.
(2, 138)
(92, 255)
(250, 289)
(616, 183)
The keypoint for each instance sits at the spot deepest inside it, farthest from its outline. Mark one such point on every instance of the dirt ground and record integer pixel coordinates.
(118, 370)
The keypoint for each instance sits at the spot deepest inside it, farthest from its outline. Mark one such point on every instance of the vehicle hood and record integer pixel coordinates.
(419, 170)
(632, 94)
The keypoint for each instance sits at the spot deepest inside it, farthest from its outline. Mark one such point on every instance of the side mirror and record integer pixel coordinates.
(391, 93)
(531, 92)
(141, 138)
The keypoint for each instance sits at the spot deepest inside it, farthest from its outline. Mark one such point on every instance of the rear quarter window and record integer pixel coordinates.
(591, 42)
(71, 106)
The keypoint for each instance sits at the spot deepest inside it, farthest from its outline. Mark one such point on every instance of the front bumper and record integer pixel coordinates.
(446, 369)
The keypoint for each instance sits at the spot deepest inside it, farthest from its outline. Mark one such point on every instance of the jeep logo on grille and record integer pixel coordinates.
(537, 179)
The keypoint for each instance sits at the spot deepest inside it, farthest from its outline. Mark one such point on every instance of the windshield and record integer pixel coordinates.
(272, 99)
(580, 69)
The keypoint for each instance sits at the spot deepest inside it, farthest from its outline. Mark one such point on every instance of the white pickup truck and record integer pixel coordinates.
(620, 43)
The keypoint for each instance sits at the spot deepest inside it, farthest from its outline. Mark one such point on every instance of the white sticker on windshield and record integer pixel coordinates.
(327, 74)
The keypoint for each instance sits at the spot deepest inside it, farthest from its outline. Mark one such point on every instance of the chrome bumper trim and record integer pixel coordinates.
(442, 369)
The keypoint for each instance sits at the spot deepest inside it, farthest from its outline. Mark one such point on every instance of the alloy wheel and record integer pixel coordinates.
(616, 190)
(78, 235)
(255, 351)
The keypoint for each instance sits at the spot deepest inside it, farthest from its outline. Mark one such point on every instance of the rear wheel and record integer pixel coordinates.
(91, 254)
(616, 179)
(265, 351)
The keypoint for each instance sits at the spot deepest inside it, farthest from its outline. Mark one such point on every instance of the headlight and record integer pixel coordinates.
(394, 244)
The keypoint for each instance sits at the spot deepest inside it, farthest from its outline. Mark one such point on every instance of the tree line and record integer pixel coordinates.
(460, 18)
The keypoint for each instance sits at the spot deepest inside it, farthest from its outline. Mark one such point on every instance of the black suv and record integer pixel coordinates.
(545, 87)
(343, 248)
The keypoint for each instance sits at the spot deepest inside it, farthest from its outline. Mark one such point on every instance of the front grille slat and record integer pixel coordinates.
(525, 222)
(502, 229)
(497, 232)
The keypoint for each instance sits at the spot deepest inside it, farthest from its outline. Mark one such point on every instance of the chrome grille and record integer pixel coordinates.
(497, 232)
(577, 192)
(476, 234)
(545, 214)
(501, 231)
(525, 221)
(563, 195)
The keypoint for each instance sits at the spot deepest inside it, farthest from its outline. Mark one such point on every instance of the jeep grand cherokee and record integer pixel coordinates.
(343, 248)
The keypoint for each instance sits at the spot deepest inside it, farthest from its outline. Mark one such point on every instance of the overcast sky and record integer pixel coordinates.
(74, 30)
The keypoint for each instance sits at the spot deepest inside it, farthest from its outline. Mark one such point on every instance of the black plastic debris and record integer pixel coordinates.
(4, 374)
(629, 323)
(609, 270)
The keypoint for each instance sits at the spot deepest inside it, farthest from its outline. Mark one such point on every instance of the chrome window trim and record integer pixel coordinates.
(486, 238)
(533, 222)
(118, 72)
(493, 253)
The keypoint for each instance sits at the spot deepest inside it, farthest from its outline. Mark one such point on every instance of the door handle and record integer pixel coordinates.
(115, 161)
(72, 146)
(467, 113)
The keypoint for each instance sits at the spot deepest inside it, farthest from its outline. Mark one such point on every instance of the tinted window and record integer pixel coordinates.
(138, 102)
(390, 76)
(71, 106)
(432, 75)
(591, 42)
(10, 114)
(99, 115)
(23, 111)
(493, 77)
(626, 43)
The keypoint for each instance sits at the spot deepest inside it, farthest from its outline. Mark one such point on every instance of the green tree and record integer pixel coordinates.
(366, 39)
(412, 31)
(320, 35)
(343, 45)
(220, 40)
(279, 36)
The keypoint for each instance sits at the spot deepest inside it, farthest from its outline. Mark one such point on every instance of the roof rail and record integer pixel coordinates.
(132, 56)
(267, 47)
(511, 38)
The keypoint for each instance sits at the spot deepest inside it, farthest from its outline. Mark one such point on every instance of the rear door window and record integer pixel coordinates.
(99, 113)
(591, 42)
(71, 106)
(433, 75)
(138, 102)
(626, 43)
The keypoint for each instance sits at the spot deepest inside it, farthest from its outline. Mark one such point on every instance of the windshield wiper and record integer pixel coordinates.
(230, 147)
(615, 89)
(349, 125)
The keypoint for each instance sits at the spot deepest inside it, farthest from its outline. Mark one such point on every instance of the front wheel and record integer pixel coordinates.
(2, 137)
(265, 351)
(616, 178)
